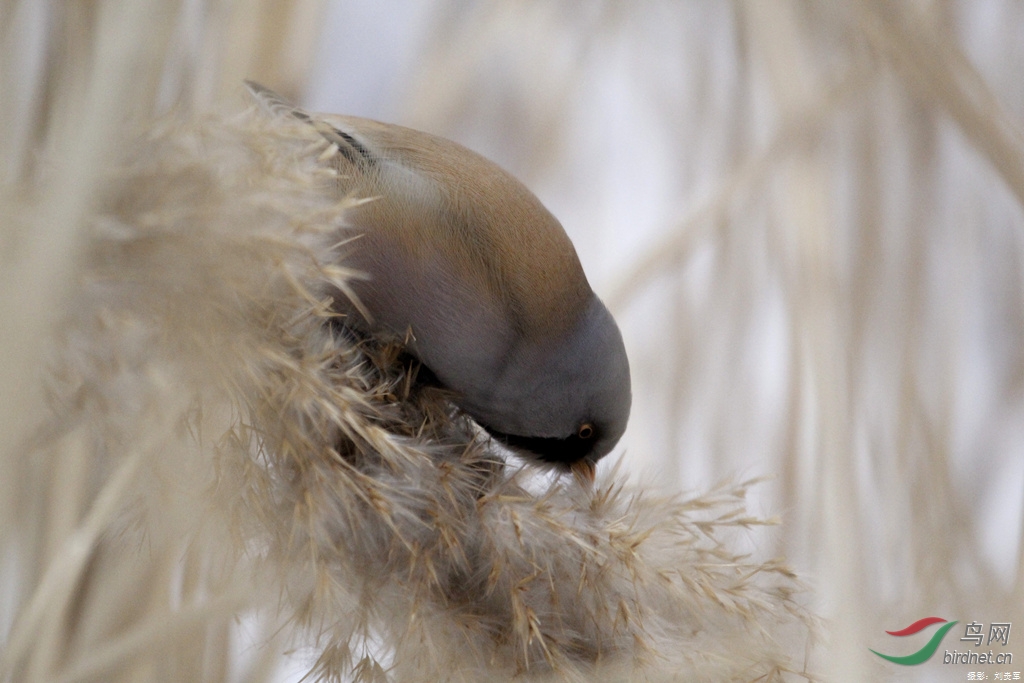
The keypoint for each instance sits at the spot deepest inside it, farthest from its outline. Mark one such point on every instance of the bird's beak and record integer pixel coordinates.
(584, 470)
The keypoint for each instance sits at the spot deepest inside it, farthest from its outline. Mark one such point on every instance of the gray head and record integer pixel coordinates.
(562, 401)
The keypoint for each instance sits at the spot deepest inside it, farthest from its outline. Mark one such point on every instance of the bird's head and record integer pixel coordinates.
(563, 401)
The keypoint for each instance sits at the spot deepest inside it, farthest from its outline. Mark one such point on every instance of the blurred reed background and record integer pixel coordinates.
(807, 218)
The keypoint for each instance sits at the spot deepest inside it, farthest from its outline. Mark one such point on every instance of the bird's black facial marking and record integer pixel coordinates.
(553, 450)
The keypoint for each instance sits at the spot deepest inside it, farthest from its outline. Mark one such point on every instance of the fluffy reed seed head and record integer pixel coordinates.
(281, 457)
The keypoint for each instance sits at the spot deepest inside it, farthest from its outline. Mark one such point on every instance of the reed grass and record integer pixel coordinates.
(806, 218)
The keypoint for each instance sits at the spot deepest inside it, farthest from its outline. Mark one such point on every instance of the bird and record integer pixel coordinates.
(483, 286)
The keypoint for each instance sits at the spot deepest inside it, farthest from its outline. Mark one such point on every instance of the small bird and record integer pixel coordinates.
(467, 267)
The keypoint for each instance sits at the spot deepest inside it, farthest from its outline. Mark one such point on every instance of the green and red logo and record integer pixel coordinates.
(930, 647)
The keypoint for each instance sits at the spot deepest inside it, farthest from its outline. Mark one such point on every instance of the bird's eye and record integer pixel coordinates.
(586, 431)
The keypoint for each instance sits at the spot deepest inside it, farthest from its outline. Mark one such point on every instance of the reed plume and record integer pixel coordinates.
(246, 452)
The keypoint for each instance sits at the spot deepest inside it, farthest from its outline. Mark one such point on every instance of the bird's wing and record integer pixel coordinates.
(275, 105)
